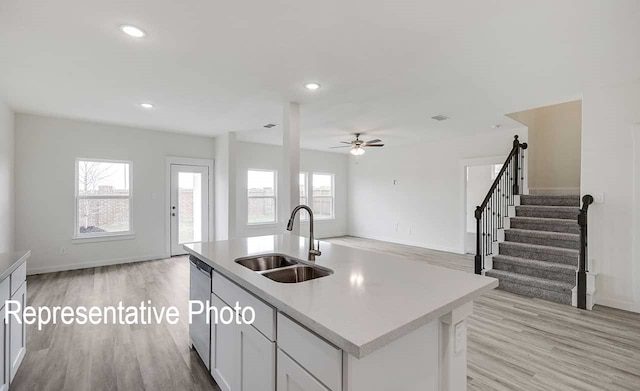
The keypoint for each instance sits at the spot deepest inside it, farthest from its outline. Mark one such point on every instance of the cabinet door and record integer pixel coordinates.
(4, 352)
(292, 377)
(223, 350)
(17, 334)
(256, 365)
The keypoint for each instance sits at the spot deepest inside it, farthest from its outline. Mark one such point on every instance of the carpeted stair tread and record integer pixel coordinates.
(544, 211)
(531, 267)
(545, 224)
(550, 200)
(538, 293)
(540, 253)
(544, 238)
(541, 283)
(552, 266)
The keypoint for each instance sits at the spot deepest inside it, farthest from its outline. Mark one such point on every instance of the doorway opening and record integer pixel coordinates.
(190, 204)
(479, 179)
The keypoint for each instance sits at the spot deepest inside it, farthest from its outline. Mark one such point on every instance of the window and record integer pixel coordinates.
(103, 198)
(261, 196)
(304, 199)
(323, 196)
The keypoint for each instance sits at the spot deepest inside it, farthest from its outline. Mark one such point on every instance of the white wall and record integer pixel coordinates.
(263, 156)
(426, 206)
(46, 149)
(608, 160)
(6, 178)
(554, 147)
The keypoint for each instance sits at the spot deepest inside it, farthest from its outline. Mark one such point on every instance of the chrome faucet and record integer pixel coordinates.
(313, 253)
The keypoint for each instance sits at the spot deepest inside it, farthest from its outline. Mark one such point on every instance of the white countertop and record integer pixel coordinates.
(370, 300)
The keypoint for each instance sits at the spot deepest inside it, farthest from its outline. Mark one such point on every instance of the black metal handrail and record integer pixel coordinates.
(495, 206)
(583, 267)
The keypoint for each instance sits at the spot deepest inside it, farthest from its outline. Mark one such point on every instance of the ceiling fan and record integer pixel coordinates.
(357, 146)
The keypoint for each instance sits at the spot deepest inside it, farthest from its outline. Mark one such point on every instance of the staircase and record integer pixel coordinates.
(540, 252)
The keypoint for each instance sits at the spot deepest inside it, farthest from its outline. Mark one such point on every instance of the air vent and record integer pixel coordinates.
(269, 126)
(440, 117)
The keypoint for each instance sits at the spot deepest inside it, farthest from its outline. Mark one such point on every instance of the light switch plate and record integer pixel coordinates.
(460, 336)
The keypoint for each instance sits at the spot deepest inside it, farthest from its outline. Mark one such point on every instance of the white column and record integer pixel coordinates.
(225, 186)
(289, 193)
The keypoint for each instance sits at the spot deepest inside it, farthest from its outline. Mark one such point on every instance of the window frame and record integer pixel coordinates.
(333, 196)
(275, 197)
(101, 236)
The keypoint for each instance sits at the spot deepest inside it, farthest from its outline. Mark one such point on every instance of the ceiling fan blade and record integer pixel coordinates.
(341, 146)
(373, 145)
(346, 142)
(373, 141)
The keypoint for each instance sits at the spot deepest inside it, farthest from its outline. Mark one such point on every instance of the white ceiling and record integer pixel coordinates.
(385, 66)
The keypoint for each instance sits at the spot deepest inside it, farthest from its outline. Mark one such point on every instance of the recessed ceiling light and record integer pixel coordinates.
(269, 126)
(132, 31)
(497, 126)
(147, 105)
(312, 86)
(440, 117)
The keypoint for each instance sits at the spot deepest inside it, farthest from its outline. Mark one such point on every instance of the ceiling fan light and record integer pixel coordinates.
(357, 151)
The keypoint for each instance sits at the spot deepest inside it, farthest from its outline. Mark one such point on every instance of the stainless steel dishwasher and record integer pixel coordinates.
(200, 289)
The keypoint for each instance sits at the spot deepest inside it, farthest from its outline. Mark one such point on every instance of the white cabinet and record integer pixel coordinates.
(4, 345)
(242, 359)
(17, 332)
(222, 350)
(292, 377)
(256, 364)
(313, 353)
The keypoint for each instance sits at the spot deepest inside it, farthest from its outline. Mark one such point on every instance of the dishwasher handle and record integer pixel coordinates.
(201, 266)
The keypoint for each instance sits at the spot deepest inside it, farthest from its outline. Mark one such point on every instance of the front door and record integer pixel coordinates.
(189, 206)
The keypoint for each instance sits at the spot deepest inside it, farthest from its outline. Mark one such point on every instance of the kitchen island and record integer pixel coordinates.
(376, 322)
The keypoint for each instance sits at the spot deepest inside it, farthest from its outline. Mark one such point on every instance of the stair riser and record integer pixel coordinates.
(545, 226)
(548, 214)
(550, 201)
(534, 272)
(552, 242)
(539, 256)
(525, 290)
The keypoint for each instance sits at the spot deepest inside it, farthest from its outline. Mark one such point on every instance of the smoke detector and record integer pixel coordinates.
(440, 117)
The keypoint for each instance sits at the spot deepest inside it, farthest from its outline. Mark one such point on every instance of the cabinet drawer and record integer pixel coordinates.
(18, 277)
(292, 377)
(319, 357)
(231, 293)
(5, 291)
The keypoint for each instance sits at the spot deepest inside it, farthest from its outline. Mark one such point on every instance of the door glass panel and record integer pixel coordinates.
(189, 207)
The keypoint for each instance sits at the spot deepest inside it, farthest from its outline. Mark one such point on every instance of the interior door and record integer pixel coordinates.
(189, 206)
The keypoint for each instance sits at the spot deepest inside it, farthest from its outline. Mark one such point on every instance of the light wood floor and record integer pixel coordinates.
(108, 357)
(519, 343)
(515, 343)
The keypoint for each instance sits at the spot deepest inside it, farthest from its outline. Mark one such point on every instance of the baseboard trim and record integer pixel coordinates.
(618, 304)
(410, 243)
(87, 265)
(554, 190)
(330, 235)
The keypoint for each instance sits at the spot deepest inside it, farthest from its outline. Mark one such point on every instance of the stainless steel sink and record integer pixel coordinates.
(283, 268)
(296, 274)
(266, 262)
